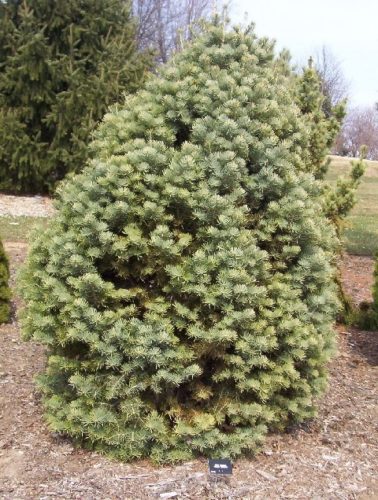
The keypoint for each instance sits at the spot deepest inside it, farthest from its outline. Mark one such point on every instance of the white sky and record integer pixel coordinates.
(349, 28)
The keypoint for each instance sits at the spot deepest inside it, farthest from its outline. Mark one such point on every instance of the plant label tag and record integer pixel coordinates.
(220, 466)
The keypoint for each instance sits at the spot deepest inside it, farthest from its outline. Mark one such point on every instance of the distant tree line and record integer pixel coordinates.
(360, 126)
(164, 24)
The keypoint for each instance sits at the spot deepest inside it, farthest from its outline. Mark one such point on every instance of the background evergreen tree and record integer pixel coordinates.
(61, 65)
(185, 287)
(323, 129)
(323, 124)
(5, 293)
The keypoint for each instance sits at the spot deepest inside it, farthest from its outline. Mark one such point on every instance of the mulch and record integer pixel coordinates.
(334, 456)
(357, 277)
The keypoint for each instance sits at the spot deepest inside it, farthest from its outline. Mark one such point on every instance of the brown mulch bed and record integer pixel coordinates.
(333, 457)
(357, 277)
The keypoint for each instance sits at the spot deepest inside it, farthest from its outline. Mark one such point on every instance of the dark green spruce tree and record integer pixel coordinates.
(5, 293)
(185, 288)
(62, 63)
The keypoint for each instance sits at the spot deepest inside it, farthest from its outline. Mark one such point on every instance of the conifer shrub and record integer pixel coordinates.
(62, 63)
(5, 293)
(367, 316)
(339, 198)
(185, 287)
(323, 129)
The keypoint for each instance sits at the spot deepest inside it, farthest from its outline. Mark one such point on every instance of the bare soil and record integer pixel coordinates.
(334, 456)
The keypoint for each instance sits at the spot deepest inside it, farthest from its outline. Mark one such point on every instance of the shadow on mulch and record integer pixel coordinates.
(364, 344)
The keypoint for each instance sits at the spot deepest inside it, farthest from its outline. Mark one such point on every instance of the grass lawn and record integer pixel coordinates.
(361, 233)
(19, 228)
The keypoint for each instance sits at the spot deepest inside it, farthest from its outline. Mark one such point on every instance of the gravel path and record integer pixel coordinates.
(29, 206)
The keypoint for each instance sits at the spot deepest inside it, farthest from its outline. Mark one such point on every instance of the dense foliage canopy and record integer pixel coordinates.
(62, 63)
(185, 287)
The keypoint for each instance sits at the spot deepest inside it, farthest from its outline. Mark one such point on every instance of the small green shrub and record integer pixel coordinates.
(5, 293)
(367, 317)
(323, 128)
(185, 287)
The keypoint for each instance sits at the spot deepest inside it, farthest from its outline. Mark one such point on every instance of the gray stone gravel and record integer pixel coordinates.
(25, 206)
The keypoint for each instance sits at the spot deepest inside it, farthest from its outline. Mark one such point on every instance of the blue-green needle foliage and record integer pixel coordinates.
(184, 288)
